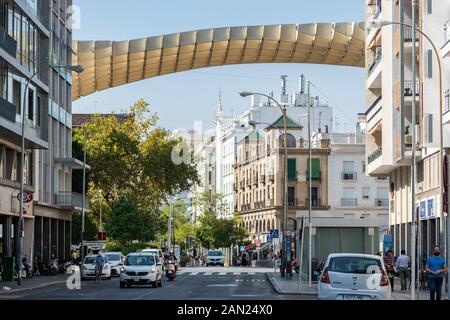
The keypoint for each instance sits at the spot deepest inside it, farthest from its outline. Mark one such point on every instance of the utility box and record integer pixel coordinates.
(8, 269)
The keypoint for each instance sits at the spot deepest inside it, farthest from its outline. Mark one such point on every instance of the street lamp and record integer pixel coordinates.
(20, 228)
(376, 23)
(285, 199)
(169, 231)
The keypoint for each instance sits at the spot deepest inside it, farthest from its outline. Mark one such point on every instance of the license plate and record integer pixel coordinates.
(353, 297)
(169, 271)
(136, 279)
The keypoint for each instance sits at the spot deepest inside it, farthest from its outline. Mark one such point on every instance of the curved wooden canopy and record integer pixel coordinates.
(113, 63)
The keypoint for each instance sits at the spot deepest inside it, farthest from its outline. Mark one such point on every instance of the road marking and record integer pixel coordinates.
(208, 273)
(251, 273)
(222, 285)
(194, 273)
(222, 273)
(235, 273)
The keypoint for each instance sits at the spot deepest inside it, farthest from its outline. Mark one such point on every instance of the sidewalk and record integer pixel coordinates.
(285, 286)
(33, 283)
(290, 286)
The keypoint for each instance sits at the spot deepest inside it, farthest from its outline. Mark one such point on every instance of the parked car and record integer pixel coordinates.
(141, 268)
(348, 276)
(215, 257)
(115, 260)
(88, 268)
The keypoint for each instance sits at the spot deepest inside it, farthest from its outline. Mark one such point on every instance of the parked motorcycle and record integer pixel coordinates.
(171, 270)
(53, 267)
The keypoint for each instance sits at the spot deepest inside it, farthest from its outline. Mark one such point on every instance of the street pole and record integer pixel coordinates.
(413, 165)
(83, 195)
(169, 232)
(101, 224)
(20, 227)
(309, 188)
(285, 212)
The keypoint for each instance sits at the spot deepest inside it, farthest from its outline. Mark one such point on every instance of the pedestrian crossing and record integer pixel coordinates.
(197, 273)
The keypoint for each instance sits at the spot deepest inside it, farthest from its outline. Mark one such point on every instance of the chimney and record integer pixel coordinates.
(302, 83)
(283, 84)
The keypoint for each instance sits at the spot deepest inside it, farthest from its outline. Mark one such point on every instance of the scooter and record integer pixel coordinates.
(171, 271)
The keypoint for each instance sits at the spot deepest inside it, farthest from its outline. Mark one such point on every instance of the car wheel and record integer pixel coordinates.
(160, 283)
(154, 284)
(122, 284)
(109, 278)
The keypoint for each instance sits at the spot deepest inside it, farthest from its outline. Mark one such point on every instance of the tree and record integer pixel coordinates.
(214, 232)
(130, 155)
(127, 222)
(90, 228)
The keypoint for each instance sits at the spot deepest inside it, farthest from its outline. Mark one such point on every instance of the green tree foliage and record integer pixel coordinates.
(130, 155)
(127, 222)
(90, 228)
(213, 232)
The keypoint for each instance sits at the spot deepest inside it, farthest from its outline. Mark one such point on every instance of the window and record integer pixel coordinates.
(365, 192)
(30, 104)
(363, 166)
(291, 196)
(38, 111)
(382, 193)
(290, 141)
(349, 170)
(420, 172)
(429, 63)
(292, 169)
(16, 96)
(428, 6)
(315, 172)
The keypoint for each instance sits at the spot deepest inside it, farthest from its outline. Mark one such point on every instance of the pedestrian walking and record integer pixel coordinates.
(436, 269)
(389, 263)
(402, 264)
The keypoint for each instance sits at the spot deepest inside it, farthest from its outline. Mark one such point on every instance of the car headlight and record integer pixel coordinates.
(153, 270)
(84, 268)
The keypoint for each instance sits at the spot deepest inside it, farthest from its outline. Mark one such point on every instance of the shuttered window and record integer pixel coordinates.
(292, 169)
(315, 172)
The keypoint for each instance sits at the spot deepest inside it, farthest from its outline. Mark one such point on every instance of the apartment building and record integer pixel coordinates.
(35, 40)
(389, 98)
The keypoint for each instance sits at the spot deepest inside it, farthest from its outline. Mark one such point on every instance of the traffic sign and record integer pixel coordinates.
(274, 233)
(28, 197)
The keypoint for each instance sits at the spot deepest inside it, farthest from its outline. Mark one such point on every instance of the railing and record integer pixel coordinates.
(348, 176)
(255, 180)
(270, 202)
(70, 199)
(381, 202)
(408, 88)
(408, 35)
(245, 207)
(348, 202)
(375, 62)
(375, 155)
(249, 183)
(314, 203)
(8, 43)
(260, 204)
(7, 110)
(271, 177)
(292, 202)
(373, 104)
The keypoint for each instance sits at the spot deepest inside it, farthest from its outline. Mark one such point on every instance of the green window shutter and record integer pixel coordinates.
(292, 169)
(315, 172)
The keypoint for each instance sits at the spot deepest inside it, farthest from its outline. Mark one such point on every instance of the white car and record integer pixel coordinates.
(141, 269)
(215, 257)
(88, 268)
(158, 252)
(347, 276)
(115, 260)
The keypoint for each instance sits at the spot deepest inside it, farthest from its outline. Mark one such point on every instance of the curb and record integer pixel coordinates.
(278, 290)
(48, 284)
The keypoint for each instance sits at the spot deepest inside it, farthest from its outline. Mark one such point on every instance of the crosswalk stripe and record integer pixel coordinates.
(251, 273)
(235, 273)
(222, 273)
(194, 273)
(208, 273)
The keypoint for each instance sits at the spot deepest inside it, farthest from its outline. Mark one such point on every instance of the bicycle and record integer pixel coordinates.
(98, 274)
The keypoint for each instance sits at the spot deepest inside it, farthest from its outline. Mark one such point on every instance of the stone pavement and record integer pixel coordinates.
(33, 283)
(286, 286)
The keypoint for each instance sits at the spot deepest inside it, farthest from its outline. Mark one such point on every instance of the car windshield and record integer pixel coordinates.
(215, 253)
(354, 265)
(140, 260)
(113, 257)
(89, 260)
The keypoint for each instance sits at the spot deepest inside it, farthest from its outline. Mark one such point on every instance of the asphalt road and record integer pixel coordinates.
(213, 283)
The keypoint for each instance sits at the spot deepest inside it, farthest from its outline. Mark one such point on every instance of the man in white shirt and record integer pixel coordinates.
(403, 263)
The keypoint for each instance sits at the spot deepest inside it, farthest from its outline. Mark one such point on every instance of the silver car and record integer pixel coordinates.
(141, 269)
(115, 260)
(347, 276)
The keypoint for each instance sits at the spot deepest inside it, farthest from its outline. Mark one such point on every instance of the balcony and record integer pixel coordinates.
(408, 88)
(8, 43)
(408, 35)
(381, 202)
(245, 207)
(71, 201)
(382, 178)
(446, 116)
(374, 72)
(271, 177)
(349, 202)
(315, 175)
(445, 51)
(260, 204)
(315, 203)
(348, 176)
(270, 202)
(293, 202)
(375, 155)
(74, 163)
(7, 110)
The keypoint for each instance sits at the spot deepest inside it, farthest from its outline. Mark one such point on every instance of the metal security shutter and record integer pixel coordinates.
(315, 172)
(292, 169)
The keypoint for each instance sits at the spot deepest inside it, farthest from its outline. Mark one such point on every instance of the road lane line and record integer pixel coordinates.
(208, 274)
(194, 273)
(222, 273)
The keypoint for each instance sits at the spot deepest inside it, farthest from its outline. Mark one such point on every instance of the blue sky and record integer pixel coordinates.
(182, 98)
